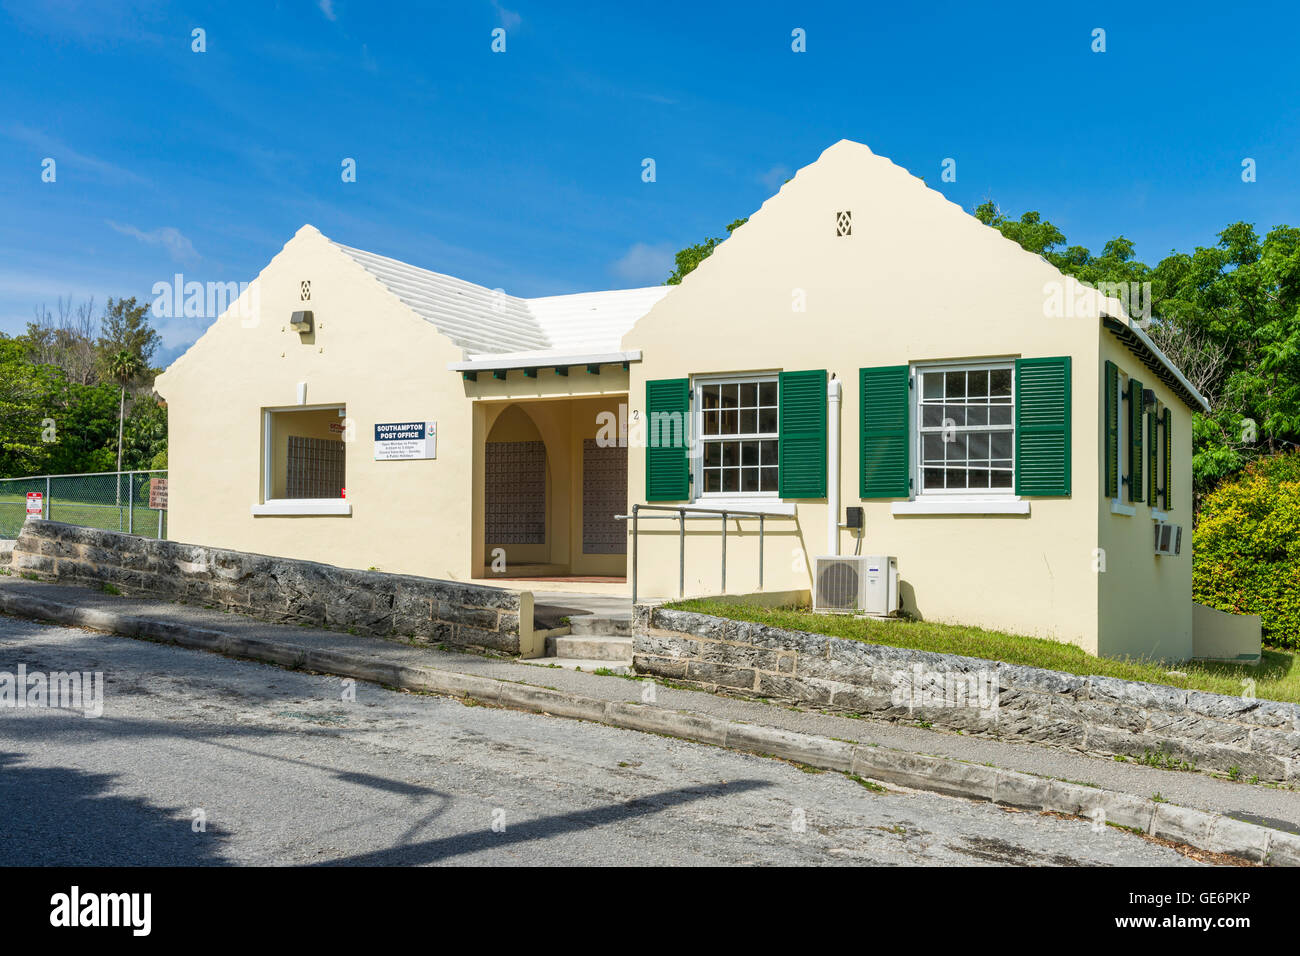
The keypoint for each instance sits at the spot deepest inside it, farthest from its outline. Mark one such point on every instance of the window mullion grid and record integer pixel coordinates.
(985, 402)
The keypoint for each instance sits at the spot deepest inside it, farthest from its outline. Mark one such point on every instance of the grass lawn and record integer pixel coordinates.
(1276, 677)
(107, 517)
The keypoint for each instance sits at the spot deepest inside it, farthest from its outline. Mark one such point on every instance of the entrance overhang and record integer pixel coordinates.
(531, 361)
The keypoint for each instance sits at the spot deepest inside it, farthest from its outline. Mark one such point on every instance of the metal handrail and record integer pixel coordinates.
(680, 512)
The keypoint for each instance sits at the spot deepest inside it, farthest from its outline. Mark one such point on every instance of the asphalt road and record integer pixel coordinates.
(281, 768)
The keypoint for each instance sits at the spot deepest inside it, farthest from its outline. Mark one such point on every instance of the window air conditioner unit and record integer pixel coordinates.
(856, 584)
(1169, 538)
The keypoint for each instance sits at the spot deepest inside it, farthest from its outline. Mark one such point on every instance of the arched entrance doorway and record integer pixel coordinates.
(515, 491)
(553, 484)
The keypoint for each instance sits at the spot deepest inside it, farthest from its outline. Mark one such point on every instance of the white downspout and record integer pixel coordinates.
(833, 391)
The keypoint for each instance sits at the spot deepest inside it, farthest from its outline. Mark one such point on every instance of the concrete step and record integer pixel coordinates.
(592, 647)
(581, 664)
(601, 624)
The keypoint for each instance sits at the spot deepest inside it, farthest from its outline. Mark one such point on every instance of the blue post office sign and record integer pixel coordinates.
(403, 441)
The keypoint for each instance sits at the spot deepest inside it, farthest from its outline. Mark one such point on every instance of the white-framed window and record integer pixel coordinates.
(965, 429)
(737, 421)
(304, 461)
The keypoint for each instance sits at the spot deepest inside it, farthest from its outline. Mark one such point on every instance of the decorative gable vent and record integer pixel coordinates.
(305, 290)
(844, 223)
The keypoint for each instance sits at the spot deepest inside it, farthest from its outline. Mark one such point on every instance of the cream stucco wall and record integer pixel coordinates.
(369, 353)
(918, 280)
(1223, 636)
(1144, 601)
(373, 355)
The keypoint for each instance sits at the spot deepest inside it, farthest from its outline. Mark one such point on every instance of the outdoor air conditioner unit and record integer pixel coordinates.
(856, 584)
(1169, 538)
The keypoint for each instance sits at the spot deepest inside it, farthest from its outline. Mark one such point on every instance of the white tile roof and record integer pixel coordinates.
(595, 321)
(484, 321)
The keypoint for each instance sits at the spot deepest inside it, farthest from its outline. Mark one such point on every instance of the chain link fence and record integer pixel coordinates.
(111, 500)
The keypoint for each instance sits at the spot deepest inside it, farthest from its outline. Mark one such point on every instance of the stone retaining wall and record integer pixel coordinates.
(1093, 714)
(281, 590)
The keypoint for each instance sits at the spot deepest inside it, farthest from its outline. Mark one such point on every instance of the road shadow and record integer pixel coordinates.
(446, 848)
(64, 816)
(56, 816)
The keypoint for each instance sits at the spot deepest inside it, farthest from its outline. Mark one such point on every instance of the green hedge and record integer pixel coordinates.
(1247, 547)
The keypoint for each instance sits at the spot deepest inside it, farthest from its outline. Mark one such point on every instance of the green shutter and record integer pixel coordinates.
(884, 470)
(1043, 426)
(1134, 440)
(1153, 457)
(667, 454)
(1112, 430)
(802, 444)
(1169, 460)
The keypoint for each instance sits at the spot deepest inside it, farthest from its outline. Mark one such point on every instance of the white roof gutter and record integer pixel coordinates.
(1145, 339)
(492, 363)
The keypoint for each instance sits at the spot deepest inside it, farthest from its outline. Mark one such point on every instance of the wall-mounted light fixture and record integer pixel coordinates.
(301, 322)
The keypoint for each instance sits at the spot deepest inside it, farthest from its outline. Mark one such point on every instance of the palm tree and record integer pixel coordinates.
(122, 366)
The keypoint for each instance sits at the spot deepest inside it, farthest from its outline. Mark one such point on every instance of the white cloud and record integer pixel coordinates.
(509, 18)
(774, 177)
(63, 155)
(170, 238)
(645, 264)
(327, 8)
(179, 334)
(22, 289)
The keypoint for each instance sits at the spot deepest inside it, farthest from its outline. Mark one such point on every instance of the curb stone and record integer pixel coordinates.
(1088, 714)
(1197, 828)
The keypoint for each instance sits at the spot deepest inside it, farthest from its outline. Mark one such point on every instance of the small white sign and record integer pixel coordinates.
(35, 503)
(404, 441)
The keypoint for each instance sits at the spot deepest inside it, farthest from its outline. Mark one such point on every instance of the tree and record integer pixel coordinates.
(690, 257)
(29, 397)
(146, 435)
(1030, 231)
(87, 424)
(123, 366)
(1238, 302)
(1247, 547)
(125, 328)
(68, 342)
(1227, 315)
(59, 383)
(1038, 235)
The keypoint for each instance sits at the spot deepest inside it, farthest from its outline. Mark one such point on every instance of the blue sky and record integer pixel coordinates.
(522, 169)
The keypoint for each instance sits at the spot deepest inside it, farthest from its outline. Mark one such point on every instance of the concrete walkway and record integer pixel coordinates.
(1275, 807)
(613, 606)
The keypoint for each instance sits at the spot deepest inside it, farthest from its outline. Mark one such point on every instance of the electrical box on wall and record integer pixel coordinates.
(853, 518)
